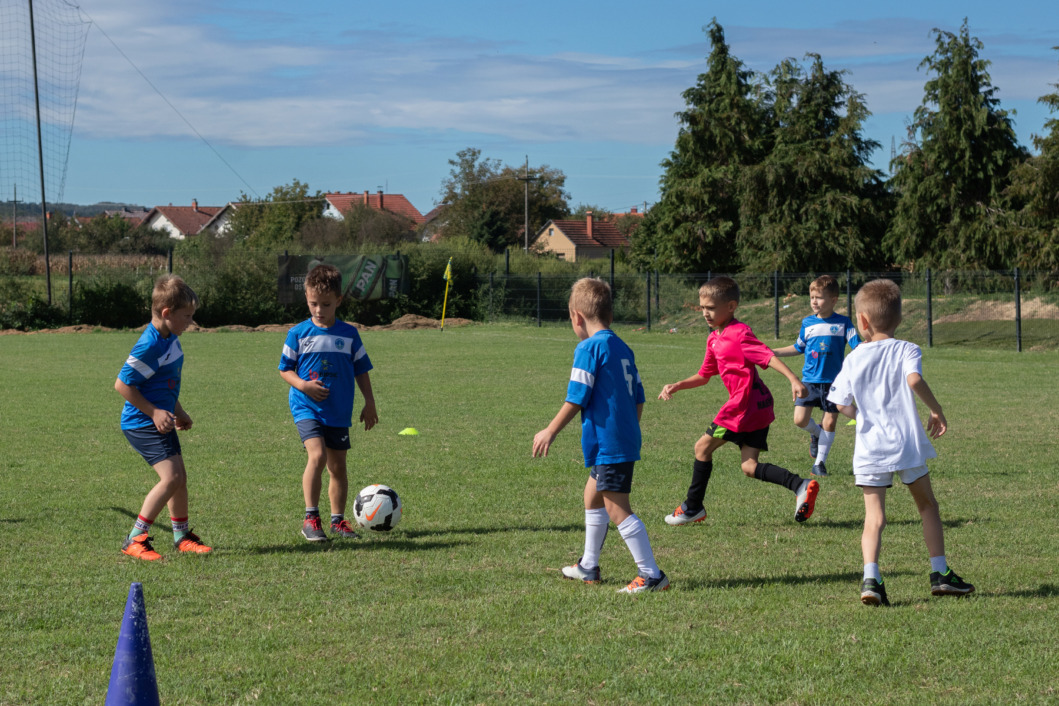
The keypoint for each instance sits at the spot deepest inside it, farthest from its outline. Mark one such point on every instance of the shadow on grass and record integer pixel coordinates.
(1045, 590)
(12, 520)
(858, 524)
(493, 530)
(348, 545)
(845, 577)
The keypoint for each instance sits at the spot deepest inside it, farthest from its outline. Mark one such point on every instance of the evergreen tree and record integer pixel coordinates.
(813, 204)
(950, 179)
(1035, 186)
(693, 227)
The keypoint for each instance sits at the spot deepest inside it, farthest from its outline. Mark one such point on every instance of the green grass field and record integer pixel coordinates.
(463, 602)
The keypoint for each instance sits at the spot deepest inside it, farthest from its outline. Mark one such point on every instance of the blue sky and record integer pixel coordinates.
(348, 96)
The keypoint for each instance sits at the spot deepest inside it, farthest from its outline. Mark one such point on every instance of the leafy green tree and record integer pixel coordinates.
(274, 221)
(693, 227)
(486, 201)
(1035, 185)
(950, 179)
(813, 203)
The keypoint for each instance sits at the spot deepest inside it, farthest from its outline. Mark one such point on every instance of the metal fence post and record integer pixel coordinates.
(507, 261)
(170, 264)
(612, 271)
(1018, 312)
(538, 299)
(930, 312)
(490, 296)
(658, 288)
(776, 299)
(648, 302)
(70, 288)
(849, 294)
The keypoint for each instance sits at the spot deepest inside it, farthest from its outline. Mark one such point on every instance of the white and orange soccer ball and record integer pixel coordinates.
(377, 508)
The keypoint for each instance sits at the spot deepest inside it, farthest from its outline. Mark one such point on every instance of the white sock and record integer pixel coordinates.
(813, 428)
(635, 535)
(824, 447)
(938, 563)
(596, 523)
(871, 571)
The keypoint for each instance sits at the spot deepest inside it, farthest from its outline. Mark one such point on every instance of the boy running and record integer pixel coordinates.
(732, 351)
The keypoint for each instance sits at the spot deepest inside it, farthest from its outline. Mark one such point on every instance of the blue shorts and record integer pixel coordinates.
(336, 438)
(613, 477)
(817, 397)
(757, 439)
(153, 446)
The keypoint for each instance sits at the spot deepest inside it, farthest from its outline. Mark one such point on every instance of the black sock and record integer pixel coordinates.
(700, 478)
(312, 512)
(780, 476)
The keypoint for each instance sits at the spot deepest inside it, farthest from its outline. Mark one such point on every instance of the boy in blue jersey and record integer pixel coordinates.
(605, 388)
(322, 359)
(150, 383)
(822, 339)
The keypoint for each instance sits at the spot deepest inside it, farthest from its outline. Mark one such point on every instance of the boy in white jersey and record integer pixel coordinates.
(322, 359)
(822, 339)
(606, 389)
(150, 383)
(884, 377)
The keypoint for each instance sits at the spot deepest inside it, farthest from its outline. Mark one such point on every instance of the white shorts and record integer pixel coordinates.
(885, 479)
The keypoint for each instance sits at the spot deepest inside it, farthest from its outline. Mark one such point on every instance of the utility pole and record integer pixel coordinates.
(526, 179)
(14, 218)
(40, 152)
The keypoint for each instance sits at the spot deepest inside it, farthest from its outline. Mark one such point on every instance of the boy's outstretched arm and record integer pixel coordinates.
(544, 438)
(368, 415)
(797, 388)
(786, 351)
(672, 388)
(936, 425)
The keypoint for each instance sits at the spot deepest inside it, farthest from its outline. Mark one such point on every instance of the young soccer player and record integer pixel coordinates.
(822, 339)
(150, 383)
(322, 358)
(884, 376)
(732, 351)
(605, 388)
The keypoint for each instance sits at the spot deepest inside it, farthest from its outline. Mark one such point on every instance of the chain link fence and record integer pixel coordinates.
(996, 309)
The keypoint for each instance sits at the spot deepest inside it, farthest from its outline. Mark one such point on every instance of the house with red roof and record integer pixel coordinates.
(574, 240)
(180, 221)
(336, 205)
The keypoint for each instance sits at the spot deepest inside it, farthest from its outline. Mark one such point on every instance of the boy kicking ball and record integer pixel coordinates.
(884, 376)
(605, 388)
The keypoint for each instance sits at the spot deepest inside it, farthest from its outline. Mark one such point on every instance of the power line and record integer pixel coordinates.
(170, 104)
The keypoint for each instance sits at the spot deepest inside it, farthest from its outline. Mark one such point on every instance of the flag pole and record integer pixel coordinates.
(448, 281)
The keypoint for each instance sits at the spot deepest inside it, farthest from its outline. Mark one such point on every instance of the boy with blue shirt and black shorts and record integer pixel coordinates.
(150, 383)
(822, 339)
(606, 389)
(322, 359)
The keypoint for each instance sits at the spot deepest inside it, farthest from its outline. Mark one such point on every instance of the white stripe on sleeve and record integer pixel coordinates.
(139, 366)
(582, 376)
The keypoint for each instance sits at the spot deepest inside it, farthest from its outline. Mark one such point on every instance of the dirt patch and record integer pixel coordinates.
(1002, 311)
(407, 322)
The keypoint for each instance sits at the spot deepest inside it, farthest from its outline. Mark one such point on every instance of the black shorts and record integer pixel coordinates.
(817, 397)
(613, 477)
(152, 445)
(336, 438)
(757, 439)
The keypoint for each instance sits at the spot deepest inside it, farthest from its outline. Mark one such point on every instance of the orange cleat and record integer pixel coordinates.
(191, 544)
(140, 547)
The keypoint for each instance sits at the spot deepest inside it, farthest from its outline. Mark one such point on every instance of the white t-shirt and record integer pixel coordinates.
(890, 434)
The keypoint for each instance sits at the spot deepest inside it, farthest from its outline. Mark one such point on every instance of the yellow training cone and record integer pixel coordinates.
(408, 431)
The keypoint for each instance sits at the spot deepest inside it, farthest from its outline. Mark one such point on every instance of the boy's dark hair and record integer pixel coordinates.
(880, 301)
(591, 296)
(172, 292)
(324, 279)
(721, 289)
(825, 284)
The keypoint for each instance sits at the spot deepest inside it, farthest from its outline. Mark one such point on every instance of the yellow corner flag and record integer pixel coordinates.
(448, 280)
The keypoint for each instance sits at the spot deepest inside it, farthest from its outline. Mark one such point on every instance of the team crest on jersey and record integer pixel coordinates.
(835, 330)
(340, 344)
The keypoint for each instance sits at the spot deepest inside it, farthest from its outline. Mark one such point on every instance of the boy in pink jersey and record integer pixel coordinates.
(732, 351)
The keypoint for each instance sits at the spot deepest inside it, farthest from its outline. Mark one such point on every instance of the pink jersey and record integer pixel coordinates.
(732, 353)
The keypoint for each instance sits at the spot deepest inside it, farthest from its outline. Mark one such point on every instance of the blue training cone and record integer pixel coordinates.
(132, 679)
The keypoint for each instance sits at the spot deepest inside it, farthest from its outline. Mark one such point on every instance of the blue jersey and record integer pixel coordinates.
(334, 356)
(153, 368)
(604, 382)
(823, 341)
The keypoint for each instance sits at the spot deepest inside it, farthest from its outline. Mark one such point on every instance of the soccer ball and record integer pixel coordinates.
(377, 508)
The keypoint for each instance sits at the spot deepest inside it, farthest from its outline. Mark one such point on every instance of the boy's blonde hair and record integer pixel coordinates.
(591, 296)
(720, 289)
(172, 292)
(324, 279)
(825, 284)
(880, 301)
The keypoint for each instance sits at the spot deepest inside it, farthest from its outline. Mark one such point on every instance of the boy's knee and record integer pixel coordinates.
(748, 467)
(702, 449)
